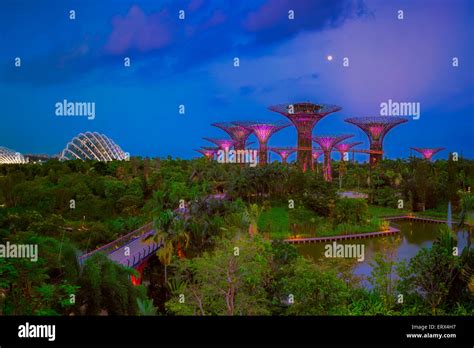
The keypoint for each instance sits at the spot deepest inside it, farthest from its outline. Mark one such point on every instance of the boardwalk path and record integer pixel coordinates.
(390, 231)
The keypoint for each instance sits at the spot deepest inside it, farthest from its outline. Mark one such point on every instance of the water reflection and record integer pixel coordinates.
(413, 236)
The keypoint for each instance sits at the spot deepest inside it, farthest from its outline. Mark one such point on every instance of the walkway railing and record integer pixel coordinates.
(391, 230)
(120, 241)
(138, 257)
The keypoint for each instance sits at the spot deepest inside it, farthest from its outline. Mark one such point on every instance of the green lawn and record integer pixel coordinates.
(275, 223)
(378, 211)
(441, 213)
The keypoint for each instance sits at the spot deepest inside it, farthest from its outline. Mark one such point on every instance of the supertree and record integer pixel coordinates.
(345, 147)
(376, 128)
(223, 144)
(316, 154)
(304, 117)
(283, 152)
(208, 152)
(263, 131)
(237, 132)
(428, 153)
(327, 142)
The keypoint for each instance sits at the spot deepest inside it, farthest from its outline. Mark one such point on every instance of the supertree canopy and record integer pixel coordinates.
(317, 153)
(283, 152)
(376, 128)
(428, 153)
(223, 144)
(304, 117)
(92, 146)
(263, 131)
(327, 142)
(237, 132)
(208, 152)
(345, 147)
(8, 156)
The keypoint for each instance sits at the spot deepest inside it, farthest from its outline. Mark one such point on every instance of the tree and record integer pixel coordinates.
(228, 281)
(171, 235)
(252, 214)
(382, 277)
(431, 273)
(106, 286)
(309, 290)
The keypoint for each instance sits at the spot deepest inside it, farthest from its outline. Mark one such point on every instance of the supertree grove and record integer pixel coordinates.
(327, 142)
(263, 131)
(304, 117)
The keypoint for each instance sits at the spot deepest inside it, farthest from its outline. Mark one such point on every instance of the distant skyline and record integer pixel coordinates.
(190, 62)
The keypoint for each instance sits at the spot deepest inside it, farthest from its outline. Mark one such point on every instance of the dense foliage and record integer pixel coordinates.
(68, 208)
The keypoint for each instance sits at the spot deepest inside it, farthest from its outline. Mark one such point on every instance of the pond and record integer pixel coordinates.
(413, 236)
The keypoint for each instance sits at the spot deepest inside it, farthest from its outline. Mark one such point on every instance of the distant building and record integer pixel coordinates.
(93, 146)
(37, 158)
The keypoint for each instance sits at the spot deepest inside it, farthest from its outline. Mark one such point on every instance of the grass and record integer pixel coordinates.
(442, 215)
(378, 211)
(275, 223)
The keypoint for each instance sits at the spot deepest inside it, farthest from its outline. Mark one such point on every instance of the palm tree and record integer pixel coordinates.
(165, 253)
(171, 235)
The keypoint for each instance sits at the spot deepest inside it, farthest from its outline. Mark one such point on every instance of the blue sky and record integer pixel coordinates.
(190, 62)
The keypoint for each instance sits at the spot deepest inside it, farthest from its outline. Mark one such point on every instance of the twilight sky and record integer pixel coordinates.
(190, 62)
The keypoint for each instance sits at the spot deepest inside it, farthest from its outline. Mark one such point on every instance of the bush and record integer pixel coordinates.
(352, 211)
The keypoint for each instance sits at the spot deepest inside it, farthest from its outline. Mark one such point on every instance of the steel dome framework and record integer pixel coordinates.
(92, 146)
(8, 156)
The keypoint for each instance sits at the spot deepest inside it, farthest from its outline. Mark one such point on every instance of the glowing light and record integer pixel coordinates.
(224, 144)
(284, 152)
(304, 116)
(376, 128)
(327, 142)
(8, 156)
(207, 152)
(92, 146)
(237, 132)
(428, 153)
(329, 57)
(263, 131)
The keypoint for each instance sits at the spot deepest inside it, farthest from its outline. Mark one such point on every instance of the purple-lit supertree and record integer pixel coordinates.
(376, 128)
(283, 152)
(316, 154)
(237, 132)
(223, 144)
(327, 142)
(263, 131)
(208, 152)
(304, 117)
(428, 153)
(345, 147)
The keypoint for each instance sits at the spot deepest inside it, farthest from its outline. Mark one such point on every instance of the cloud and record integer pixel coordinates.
(139, 31)
(154, 37)
(195, 5)
(270, 22)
